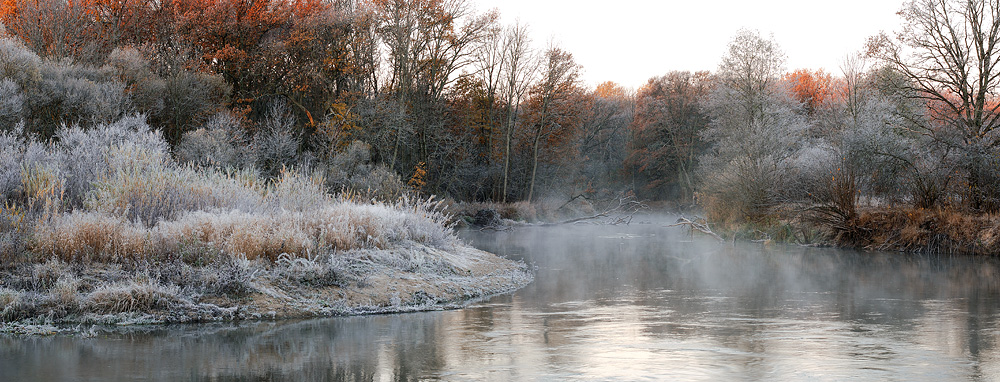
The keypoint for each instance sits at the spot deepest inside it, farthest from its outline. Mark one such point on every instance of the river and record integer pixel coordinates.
(636, 302)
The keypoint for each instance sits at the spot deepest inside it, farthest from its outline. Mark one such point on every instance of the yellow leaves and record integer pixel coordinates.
(417, 181)
(610, 89)
(341, 123)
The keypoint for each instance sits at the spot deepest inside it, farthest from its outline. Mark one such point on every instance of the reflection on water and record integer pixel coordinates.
(642, 302)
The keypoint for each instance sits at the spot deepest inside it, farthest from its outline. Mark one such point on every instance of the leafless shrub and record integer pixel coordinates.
(352, 170)
(220, 143)
(18, 63)
(11, 104)
(277, 143)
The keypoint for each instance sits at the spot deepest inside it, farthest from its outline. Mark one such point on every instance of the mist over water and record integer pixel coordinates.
(637, 302)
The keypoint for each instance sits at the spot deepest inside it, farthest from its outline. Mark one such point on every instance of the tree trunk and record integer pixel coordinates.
(534, 166)
(511, 118)
(534, 156)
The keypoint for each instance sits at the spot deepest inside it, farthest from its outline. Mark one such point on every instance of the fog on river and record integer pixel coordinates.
(635, 302)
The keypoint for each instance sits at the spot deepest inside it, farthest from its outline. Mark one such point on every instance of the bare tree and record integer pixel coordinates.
(754, 129)
(557, 82)
(666, 134)
(949, 52)
(520, 66)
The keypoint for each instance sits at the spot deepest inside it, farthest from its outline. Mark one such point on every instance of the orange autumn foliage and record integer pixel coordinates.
(812, 88)
(610, 89)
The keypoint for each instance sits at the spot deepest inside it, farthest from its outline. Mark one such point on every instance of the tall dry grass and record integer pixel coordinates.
(135, 204)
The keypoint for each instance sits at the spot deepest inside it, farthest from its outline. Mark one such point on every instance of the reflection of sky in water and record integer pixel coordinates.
(609, 303)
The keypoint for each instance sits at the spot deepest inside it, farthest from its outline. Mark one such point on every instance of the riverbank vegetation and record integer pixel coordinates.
(102, 225)
(203, 144)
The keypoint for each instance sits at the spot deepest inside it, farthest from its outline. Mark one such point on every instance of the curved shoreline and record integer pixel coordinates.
(407, 278)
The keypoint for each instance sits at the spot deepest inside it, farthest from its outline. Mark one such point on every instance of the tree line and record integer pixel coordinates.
(436, 96)
(445, 98)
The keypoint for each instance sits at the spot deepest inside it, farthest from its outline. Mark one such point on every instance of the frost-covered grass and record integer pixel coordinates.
(101, 225)
(113, 193)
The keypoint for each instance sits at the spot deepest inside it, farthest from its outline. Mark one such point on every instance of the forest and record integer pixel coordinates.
(385, 98)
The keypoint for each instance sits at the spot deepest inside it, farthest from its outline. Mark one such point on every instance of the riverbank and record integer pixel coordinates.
(931, 231)
(908, 230)
(408, 277)
(103, 227)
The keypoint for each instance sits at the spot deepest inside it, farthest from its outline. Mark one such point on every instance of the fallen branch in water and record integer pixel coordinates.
(619, 214)
(696, 226)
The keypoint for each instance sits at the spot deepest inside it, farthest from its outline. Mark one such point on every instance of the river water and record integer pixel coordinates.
(637, 302)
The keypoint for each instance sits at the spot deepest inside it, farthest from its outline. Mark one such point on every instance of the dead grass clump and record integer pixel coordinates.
(145, 186)
(924, 230)
(14, 226)
(45, 275)
(522, 211)
(234, 278)
(239, 233)
(141, 294)
(65, 294)
(317, 271)
(94, 236)
(990, 235)
(10, 301)
(88, 236)
(8, 297)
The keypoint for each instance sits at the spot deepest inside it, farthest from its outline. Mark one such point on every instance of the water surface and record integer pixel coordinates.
(637, 302)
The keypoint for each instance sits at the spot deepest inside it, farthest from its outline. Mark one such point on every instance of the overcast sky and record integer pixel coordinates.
(629, 41)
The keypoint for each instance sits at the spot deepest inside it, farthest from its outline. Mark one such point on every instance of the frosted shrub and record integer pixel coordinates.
(146, 88)
(755, 128)
(11, 153)
(276, 144)
(73, 94)
(352, 170)
(8, 297)
(88, 150)
(220, 143)
(11, 104)
(111, 193)
(18, 63)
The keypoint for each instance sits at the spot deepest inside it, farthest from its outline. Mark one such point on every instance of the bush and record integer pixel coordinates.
(11, 104)
(220, 143)
(88, 153)
(125, 200)
(276, 144)
(69, 93)
(352, 170)
(189, 99)
(146, 89)
(18, 63)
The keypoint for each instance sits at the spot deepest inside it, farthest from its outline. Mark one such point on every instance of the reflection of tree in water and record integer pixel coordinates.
(355, 348)
(605, 299)
(743, 296)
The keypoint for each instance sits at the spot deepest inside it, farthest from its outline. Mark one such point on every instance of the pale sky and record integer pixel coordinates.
(629, 41)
